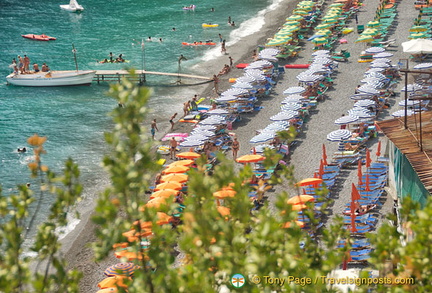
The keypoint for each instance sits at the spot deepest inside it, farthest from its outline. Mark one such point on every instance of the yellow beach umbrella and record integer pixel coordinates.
(364, 39)
(323, 26)
(300, 12)
(373, 24)
(329, 20)
(320, 41)
(278, 42)
(294, 17)
(291, 22)
(417, 36)
(325, 32)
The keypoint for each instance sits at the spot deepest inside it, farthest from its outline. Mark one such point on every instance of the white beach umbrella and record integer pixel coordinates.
(322, 60)
(346, 119)
(246, 78)
(254, 72)
(362, 96)
(203, 132)
(284, 115)
(412, 87)
(374, 50)
(373, 70)
(226, 99)
(380, 65)
(289, 100)
(270, 51)
(277, 126)
(291, 106)
(192, 143)
(382, 55)
(309, 78)
(235, 92)
(294, 90)
(418, 46)
(401, 113)
(360, 112)
(377, 75)
(259, 149)
(423, 66)
(267, 57)
(338, 135)
(218, 112)
(200, 127)
(243, 85)
(368, 90)
(258, 77)
(320, 52)
(263, 137)
(375, 84)
(196, 136)
(381, 60)
(409, 103)
(364, 103)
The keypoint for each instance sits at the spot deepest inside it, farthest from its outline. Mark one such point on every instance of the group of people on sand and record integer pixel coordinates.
(23, 66)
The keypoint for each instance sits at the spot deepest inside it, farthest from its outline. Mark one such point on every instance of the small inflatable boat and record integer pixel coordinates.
(42, 37)
(192, 7)
(209, 25)
(199, 44)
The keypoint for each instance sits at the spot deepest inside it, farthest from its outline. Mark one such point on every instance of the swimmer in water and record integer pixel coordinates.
(22, 150)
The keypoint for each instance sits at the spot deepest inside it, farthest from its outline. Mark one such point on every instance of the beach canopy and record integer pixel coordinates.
(224, 193)
(409, 103)
(417, 46)
(360, 112)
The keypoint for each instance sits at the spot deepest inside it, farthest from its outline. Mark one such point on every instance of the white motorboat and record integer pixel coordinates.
(52, 78)
(73, 6)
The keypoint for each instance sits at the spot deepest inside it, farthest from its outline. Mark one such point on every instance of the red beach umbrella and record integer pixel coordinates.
(359, 172)
(355, 195)
(367, 182)
(378, 152)
(353, 217)
(368, 158)
(321, 168)
(324, 155)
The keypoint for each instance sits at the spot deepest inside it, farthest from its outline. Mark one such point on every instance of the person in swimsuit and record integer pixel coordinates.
(173, 148)
(153, 128)
(172, 120)
(20, 64)
(235, 147)
(186, 106)
(36, 67)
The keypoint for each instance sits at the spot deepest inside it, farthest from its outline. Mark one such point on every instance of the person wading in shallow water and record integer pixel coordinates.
(153, 128)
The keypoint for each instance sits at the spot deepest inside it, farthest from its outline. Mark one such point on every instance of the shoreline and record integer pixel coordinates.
(75, 243)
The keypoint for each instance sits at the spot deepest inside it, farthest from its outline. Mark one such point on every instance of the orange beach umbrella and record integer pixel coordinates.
(223, 211)
(113, 282)
(169, 185)
(130, 255)
(298, 207)
(300, 199)
(186, 163)
(176, 169)
(309, 181)
(165, 193)
(181, 178)
(250, 159)
(289, 224)
(188, 155)
(224, 193)
(163, 218)
(108, 290)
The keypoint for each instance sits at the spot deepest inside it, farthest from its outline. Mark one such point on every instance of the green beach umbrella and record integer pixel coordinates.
(418, 28)
(323, 26)
(320, 41)
(323, 32)
(373, 24)
(300, 12)
(370, 32)
(278, 42)
(330, 20)
(294, 17)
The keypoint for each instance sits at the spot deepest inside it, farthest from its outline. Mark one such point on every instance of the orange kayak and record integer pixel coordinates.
(42, 37)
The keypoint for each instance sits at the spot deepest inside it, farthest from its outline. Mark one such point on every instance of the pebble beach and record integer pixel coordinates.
(306, 154)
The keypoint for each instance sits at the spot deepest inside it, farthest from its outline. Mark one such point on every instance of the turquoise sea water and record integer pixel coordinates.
(75, 118)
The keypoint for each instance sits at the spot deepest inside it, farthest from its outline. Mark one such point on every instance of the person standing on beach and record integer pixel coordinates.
(231, 61)
(216, 84)
(193, 104)
(186, 106)
(235, 147)
(223, 48)
(172, 120)
(153, 128)
(173, 148)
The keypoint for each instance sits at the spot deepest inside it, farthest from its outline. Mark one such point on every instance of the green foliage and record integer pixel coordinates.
(202, 253)
(46, 272)
(405, 256)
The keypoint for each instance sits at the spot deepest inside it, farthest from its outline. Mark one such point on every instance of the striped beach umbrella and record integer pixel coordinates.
(401, 113)
(124, 268)
(382, 55)
(374, 23)
(338, 135)
(360, 112)
(291, 106)
(408, 103)
(323, 26)
(418, 28)
(294, 90)
(364, 39)
(374, 50)
(321, 52)
(364, 103)
(423, 66)
(320, 41)
(284, 115)
(346, 119)
(263, 137)
(243, 85)
(277, 126)
(412, 87)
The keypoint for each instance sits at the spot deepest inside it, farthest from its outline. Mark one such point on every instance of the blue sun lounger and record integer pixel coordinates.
(358, 244)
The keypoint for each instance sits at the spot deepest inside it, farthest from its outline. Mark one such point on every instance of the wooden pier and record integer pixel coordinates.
(117, 75)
